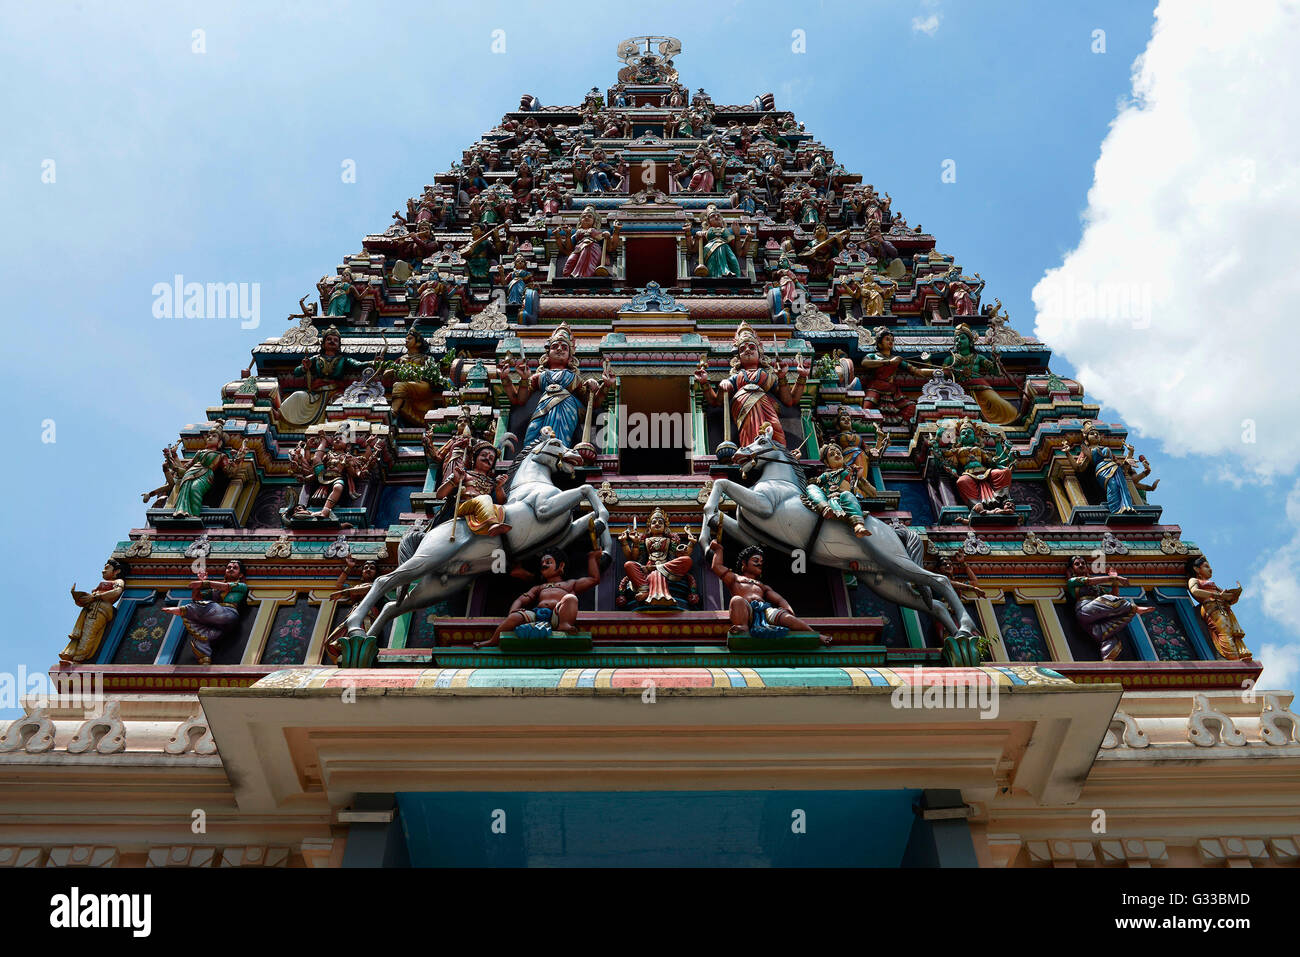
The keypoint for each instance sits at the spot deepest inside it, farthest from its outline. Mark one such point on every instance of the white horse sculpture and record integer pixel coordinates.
(449, 556)
(886, 561)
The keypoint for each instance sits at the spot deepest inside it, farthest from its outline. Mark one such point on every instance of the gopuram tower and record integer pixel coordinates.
(650, 453)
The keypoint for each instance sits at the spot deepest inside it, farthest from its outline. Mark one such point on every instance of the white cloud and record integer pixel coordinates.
(1177, 306)
(927, 25)
(1281, 667)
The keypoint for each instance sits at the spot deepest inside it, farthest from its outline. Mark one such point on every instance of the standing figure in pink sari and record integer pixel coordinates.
(753, 388)
(587, 247)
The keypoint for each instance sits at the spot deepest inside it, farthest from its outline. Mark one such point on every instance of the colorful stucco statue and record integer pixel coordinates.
(870, 296)
(327, 374)
(343, 294)
(1216, 610)
(881, 368)
(753, 388)
(834, 493)
(552, 605)
(980, 471)
(755, 608)
(415, 379)
(1106, 467)
(96, 613)
(971, 371)
(477, 495)
(588, 248)
(330, 467)
(771, 505)
(564, 392)
(716, 244)
(1100, 609)
(214, 611)
(201, 468)
(659, 559)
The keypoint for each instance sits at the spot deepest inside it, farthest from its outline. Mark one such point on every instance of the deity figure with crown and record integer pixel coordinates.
(970, 370)
(753, 388)
(201, 469)
(326, 374)
(717, 242)
(588, 247)
(563, 392)
(981, 474)
(1106, 467)
(659, 565)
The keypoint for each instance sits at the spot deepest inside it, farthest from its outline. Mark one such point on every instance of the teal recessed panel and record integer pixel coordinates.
(658, 829)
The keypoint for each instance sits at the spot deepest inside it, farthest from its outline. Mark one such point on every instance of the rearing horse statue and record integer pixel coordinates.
(771, 512)
(449, 555)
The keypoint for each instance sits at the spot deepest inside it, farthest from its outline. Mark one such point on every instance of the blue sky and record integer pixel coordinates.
(224, 166)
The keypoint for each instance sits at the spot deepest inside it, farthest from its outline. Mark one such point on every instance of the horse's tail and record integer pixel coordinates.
(911, 542)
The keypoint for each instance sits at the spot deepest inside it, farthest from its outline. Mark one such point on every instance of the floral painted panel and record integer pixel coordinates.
(1022, 636)
(290, 634)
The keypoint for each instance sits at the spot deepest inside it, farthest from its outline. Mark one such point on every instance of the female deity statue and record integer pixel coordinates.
(600, 176)
(326, 375)
(96, 612)
(588, 247)
(864, 290)
(1216, 610)
(412, 380)
(969, 369)
(982, 475)
(1106, 467)
(561, 402)
(1102, 614)
(214, 611)
(480, 253)
(882, 366)
(516, 283)
(667, 559)
(427, 291)
(716, 239)
(751, 386)
(342, 296)
(200, 470)
(960, 300)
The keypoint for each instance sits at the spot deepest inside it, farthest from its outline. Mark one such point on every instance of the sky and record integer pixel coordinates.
(210, 140)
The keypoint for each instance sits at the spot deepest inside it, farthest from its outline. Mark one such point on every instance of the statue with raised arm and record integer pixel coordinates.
(552, 605)
(201, 468)
(563, 391)
(1106, 468)
(970, 370)
(981, 474)
(755, 608)
(658, 557)
(215, 610)
(753, 387)
(1099, 608)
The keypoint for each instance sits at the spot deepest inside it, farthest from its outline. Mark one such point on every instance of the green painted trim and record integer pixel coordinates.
(912, 625)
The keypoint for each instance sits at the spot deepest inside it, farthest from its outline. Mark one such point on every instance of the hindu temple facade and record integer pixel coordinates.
(651, 492)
